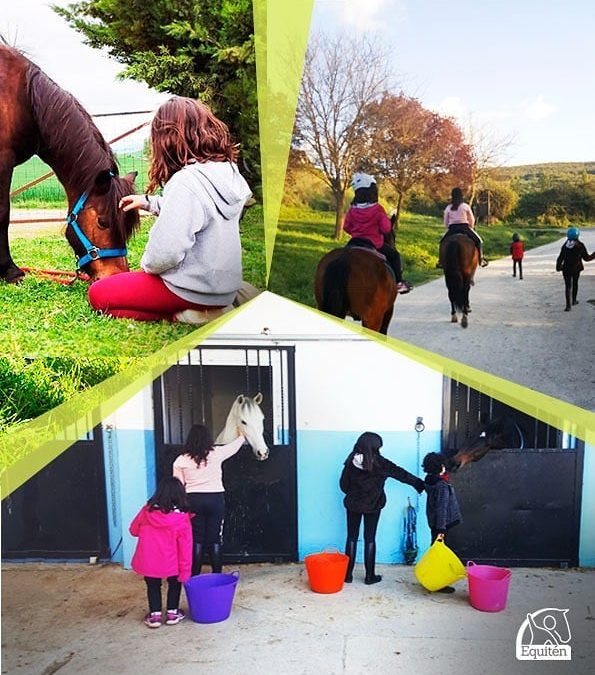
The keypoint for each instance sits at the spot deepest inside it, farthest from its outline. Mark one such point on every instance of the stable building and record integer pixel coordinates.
(322, 386)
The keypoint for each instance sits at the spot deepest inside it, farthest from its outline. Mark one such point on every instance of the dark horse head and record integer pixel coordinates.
(38, 117)
(500, 433)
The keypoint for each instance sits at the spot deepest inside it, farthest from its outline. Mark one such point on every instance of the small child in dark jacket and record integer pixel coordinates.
(442, 507)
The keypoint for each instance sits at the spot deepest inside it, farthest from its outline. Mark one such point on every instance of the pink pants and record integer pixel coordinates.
(138, 295)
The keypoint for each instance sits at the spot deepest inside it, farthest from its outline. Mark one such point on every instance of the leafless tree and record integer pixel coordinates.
(341, 76)
(489, 150)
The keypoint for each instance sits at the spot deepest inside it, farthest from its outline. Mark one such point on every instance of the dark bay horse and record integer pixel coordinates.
(37, 117)
(502, 432)
(357, 282)
(460, 260)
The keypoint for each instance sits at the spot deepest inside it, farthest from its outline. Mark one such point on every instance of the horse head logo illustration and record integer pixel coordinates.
(544, 635)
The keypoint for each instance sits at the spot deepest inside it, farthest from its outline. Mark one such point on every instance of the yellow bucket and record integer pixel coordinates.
(439, 567)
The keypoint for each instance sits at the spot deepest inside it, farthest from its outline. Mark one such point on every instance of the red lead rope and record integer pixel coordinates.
(59, 276)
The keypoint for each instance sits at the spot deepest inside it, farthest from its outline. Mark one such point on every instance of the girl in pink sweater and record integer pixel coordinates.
(199, 470)
(164, 549)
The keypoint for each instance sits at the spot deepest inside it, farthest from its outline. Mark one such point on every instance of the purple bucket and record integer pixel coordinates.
(210, 596)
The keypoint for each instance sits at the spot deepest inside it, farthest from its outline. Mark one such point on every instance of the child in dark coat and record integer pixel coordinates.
(362, 480)
(442, 507)
(570, 263)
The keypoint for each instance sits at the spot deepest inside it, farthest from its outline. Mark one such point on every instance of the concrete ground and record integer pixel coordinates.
(86, 619)
(517, 330)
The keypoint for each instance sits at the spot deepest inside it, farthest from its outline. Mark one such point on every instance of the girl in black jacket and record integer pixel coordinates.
(362, 481)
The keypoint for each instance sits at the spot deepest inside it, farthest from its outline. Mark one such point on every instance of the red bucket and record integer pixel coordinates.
(488, 587)
(326, 571)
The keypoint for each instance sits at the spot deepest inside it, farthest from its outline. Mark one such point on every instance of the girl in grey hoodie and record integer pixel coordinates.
(192, 264)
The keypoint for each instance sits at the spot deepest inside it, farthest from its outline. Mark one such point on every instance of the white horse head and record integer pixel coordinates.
(246, 414)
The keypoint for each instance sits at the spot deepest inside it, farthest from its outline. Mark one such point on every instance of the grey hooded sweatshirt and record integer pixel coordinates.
(194, 245)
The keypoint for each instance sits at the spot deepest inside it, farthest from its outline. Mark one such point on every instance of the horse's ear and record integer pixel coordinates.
(103, 182)
(131, 177)
(258, 398)
(240, 399)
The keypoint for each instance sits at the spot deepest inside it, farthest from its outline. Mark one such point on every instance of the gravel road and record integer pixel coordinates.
(517, 330)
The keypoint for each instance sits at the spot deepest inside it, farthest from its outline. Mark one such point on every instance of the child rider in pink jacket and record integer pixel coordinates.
(164, 549)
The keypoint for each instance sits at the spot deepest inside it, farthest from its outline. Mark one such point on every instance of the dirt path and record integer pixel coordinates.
(518, 329)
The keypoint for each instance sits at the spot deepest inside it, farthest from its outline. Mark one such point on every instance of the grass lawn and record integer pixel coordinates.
(44, 318)
(305, 236)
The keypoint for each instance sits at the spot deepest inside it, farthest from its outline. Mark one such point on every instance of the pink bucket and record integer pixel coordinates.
(488, 586)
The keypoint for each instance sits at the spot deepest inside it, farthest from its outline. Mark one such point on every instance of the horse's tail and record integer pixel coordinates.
(334, 287)
(453, 275)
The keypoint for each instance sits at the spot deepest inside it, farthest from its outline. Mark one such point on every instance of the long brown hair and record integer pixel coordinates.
(183, 130)
(199, 444)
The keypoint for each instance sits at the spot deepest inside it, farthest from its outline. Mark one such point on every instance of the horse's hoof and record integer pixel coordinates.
(453, 318)
(14, 275)
(464, 321)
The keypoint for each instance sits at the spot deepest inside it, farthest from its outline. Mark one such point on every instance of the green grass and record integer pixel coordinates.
(305, 236)
(29, 388)
(41, 318)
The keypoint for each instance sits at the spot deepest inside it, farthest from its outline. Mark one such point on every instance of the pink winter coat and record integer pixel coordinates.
(369, 222)
(164, 547)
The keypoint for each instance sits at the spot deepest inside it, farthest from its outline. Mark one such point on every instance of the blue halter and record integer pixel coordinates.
(92, 252)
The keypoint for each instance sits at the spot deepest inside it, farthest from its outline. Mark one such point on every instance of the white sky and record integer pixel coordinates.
(524, 67)
(88, 74)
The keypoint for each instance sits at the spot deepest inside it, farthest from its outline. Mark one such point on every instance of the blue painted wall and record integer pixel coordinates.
(130, 476)
(321, 514)
(587, 535)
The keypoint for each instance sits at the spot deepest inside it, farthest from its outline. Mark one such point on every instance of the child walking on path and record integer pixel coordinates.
(192, 264)
(517, 250)
(164, 549)
(367, 223)
(442, 507)
(570, 263)
(362, 480)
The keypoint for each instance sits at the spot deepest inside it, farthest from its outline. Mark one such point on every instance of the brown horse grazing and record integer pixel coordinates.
(356, 282)
(39, 118)
(461, 258)
(500, 433)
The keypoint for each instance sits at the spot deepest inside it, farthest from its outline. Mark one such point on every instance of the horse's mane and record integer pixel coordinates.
(66, 128)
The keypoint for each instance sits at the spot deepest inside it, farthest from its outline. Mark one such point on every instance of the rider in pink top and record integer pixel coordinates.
(459, 219)
(367, 223)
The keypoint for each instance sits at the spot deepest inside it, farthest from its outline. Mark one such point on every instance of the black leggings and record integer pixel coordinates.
(571, 284)
(207, 524)
(461, 228)
(393, 257)
(514, 266)
(354, 520)
(174, 588)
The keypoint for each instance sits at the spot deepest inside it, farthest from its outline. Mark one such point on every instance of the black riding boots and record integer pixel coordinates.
(197, 559)
(216, 556)
(370, 564)
(351, 551)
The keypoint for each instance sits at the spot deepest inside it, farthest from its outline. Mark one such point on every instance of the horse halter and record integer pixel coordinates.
(92, 252)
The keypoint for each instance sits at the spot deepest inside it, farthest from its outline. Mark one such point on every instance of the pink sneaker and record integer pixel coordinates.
(153, 620)
(174, 616)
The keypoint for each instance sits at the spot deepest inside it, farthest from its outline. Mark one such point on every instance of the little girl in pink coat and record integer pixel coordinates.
(164, 549)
